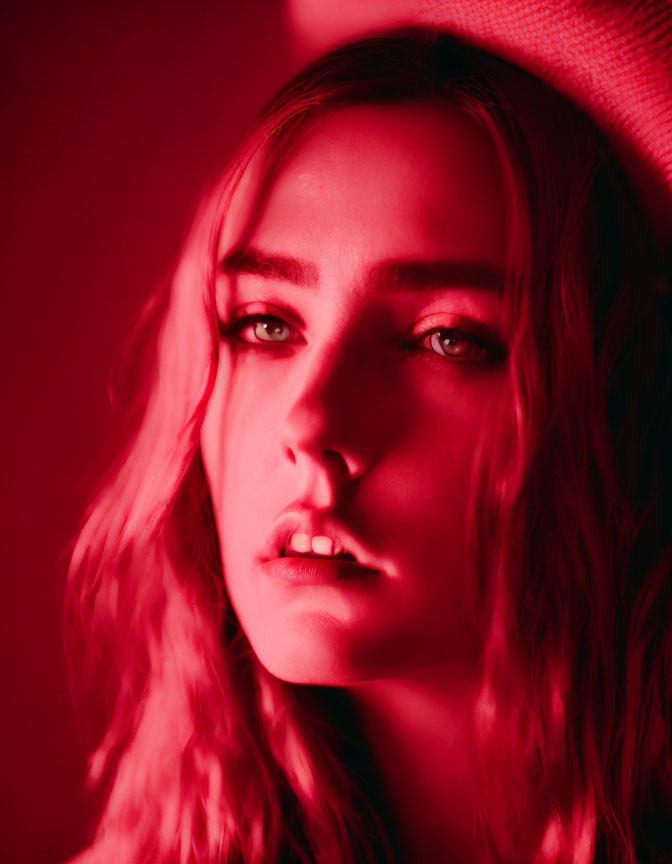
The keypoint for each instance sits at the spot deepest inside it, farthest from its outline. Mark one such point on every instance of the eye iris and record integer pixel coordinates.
(450, 343)
(271, 331)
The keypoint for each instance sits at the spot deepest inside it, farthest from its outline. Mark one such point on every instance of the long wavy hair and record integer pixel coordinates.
(199, 754)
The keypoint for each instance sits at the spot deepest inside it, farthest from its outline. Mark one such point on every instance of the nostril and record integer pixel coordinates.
(336, 461)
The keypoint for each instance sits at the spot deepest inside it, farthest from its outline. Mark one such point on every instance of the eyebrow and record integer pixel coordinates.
(392, 275)
(295, 270)
(419, 275)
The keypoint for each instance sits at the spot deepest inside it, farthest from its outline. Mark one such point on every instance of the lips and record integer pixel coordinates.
(311, 570)
(304, 534)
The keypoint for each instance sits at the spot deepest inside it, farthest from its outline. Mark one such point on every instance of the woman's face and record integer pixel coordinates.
(368, 350)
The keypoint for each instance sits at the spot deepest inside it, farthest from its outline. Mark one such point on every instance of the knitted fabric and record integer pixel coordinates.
(612, 58)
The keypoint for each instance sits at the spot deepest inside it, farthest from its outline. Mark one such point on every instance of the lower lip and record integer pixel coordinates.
(314, 571)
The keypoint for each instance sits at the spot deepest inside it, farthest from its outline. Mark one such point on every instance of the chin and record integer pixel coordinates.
(313, 655)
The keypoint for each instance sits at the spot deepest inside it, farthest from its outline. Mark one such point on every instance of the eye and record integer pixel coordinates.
(259, 329)
(453, 342)
(269, 330)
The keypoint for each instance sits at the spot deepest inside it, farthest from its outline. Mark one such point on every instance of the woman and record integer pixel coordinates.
(381, 573)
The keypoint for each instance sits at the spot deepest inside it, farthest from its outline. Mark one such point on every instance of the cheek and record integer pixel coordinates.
(251, 426)
(424, 489)
(449, 416)
(246, 490)
(420, 495)
(239, 424)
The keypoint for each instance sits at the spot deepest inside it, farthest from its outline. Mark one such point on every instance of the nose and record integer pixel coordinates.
(327, 434)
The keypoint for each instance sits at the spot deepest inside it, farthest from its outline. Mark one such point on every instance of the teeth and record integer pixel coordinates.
(319, 545)
(300, 542)
(323, 545)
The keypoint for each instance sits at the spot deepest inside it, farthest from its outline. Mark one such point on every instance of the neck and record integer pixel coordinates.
(417, 731)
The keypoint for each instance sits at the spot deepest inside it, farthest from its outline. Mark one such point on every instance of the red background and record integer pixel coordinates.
(113, 117)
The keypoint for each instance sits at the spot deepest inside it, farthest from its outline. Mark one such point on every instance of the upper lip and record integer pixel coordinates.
(314, 524)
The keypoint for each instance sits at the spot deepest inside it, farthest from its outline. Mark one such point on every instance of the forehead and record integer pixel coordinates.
(416, 179)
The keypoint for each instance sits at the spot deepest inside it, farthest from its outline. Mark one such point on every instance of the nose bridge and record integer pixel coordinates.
(324, 418)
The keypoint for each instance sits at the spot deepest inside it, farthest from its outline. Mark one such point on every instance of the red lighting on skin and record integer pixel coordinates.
(358, 411)
(369, 428)
(361, 380)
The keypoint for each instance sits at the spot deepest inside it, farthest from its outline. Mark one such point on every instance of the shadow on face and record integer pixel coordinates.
(362, 313)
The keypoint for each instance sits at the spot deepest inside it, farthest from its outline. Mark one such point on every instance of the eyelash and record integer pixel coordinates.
(481, 350)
